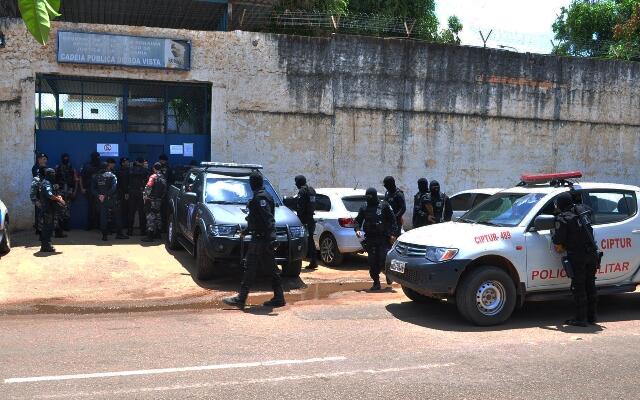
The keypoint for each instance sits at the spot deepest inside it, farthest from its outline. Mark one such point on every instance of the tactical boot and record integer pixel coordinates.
(121, 236)
(576, 322)
(389, 281)
(277, 300)
(235, 301)
(376, 286)
(129, 232)
(148, 238)
(47, 248)
(105, 237)
(60, 234)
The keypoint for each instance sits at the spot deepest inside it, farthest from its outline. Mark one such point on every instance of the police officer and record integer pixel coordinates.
(87, 174)
(261, 225)
(306, 207)
(441, 204)
(123, 174)
(377, 223)
(49, 202)
(395, 198)
(167, 172)
(154, 193)
(37, 172)
(422, 208)
(41, 162)
(67, 181)
(104, 187)
(573, 233)
(137, 180)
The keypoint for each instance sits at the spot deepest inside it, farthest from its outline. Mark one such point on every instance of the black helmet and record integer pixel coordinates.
(256, 181)
(300, 181)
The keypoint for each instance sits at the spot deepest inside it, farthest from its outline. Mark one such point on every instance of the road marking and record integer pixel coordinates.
(286, 378)
(271, 363)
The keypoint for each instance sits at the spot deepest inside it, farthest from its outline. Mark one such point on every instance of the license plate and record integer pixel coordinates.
(397, 266)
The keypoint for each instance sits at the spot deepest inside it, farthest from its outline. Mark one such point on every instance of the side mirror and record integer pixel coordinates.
(544, 222)
(290, 202)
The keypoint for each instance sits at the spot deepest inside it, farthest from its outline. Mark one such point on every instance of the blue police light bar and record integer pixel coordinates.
(209, 164)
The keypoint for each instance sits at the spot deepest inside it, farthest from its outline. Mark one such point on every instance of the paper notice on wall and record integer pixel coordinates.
(188, 149)
(175, 149)
(107, 149)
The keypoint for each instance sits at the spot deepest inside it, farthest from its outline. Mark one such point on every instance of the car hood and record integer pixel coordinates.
(451, 234)
(233, 214)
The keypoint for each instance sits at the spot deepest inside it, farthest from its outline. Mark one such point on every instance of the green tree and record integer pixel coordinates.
(37, 15)
(451, 35)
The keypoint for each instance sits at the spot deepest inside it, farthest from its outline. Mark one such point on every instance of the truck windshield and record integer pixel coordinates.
(503, 209)
(234, 190)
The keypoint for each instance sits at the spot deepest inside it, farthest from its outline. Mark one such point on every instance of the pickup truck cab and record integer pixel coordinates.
(208, 210)
(500, 253)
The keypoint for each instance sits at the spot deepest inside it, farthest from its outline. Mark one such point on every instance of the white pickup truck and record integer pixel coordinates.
(500, 254)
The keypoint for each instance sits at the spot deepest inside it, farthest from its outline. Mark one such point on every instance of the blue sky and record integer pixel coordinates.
(521, 24)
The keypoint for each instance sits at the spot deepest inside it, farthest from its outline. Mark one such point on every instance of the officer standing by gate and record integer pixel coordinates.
(137, 181)
(442, 210)
(104, 187)
(154, 194)
(377, 223)
(87, 174)
(573, 233)
(123, 174)
(306, 207)
(67, 181)
(261, 225)
(49, 202)
(422, 208)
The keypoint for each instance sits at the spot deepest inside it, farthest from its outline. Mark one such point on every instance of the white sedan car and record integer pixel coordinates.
(464, 201)
(5, 241)
(336, 210)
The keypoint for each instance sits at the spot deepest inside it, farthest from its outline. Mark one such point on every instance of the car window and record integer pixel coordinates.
(480, 197)
(503, 209)
(323, 203)
(461, 202)
(611, 206)
(233, 190)
(353, 203)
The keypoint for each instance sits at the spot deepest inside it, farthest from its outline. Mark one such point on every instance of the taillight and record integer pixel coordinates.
(347, 222)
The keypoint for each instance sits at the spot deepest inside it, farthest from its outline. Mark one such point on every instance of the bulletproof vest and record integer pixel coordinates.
(394, 200)
(159, 187)
(137, 179)
(64, 175)
(438, 206)
(34, 192)
(44, 189)
(261, 213)
(88, 172)
(104, 183)
(374, 220)
(419, 200)
(309, 206)
(579, 233)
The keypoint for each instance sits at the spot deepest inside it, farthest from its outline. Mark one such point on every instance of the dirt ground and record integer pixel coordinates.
(89, 273)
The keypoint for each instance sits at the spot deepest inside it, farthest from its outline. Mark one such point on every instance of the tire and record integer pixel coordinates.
(5, 245)
(205, 268)
(487, 296)
(329, 251)
(172, 241)
(417, 297)
(292, 269)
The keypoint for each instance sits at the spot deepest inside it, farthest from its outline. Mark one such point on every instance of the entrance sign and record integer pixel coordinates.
(107, 149)
(175, 149)
(188, 149)
(129, 51)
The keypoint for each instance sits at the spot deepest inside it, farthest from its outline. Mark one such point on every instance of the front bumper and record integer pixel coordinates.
(347, 241)
(231, 250)
(426, 277)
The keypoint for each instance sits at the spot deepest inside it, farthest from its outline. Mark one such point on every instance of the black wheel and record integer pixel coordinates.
(292, 269)
(5, 244)
(329, 252)
(205, 268)
(172, 240)
(487, 296)
(417, 297)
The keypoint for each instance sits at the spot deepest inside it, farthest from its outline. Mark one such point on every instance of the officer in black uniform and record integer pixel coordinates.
(137, 180)
(123, 174)
(104, 187)
(167, 172)
(87, 174)
(261, 226)
(377, 223)
(67, 181)
(573, 233)
(422, 208)
(49, 202)
(442, 210)
(306, 207)
(395, 198)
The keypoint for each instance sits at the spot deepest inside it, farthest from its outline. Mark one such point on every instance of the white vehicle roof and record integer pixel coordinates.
(342, 192)
(489, 191)
(546, 188)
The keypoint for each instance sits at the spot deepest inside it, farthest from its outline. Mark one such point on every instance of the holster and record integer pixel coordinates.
(568, 268)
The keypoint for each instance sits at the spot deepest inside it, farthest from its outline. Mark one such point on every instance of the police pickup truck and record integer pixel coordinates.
(208, 210)
(500, 253)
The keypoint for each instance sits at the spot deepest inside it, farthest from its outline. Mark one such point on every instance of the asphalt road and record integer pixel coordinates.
(351, 345)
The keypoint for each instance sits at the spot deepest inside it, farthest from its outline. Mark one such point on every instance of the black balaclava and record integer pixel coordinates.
(163, 159)
(434, 188)
(372, 197)
(103, 166)
(50, 174)
(95, 158)
(300, 181)
(157, 167)
(423, 185)
(41, 171)
(65, 159)
(256, 181)
(564, 202)
(389, 184)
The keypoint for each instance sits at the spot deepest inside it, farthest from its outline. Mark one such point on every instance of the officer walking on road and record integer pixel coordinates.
(377, 223)
(395, 198)
(306, 207)
(573, 233)
(442, 210)
(104, 187)
(137, 181)
(49, 203)
(422, 207)
(154, 194)
(261, 226)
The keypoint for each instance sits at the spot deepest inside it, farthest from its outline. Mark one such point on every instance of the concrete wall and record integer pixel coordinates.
(351, 109)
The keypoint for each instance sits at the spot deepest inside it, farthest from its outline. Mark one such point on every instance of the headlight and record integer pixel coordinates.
(224, 230)
(297, 232)
(440, 254)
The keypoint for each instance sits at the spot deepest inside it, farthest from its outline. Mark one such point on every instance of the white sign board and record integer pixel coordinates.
(175, 149)
(188, 149)
(107, 149)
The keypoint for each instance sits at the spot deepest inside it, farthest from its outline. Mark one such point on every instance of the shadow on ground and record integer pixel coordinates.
(441, 315)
